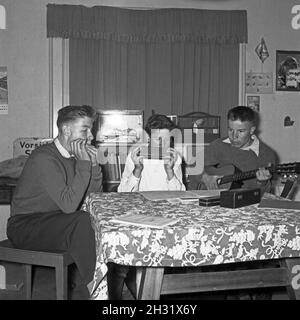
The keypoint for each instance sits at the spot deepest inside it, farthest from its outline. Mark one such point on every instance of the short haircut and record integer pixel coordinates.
(73, 113)
(159, 121)
(243, 113)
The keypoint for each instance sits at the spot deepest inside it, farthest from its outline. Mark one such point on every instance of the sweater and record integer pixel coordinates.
(49, 182)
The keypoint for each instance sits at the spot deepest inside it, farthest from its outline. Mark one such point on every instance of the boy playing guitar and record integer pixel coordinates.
(242, 149)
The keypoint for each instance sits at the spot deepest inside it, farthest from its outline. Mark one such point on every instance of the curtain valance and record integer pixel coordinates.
(157, 25)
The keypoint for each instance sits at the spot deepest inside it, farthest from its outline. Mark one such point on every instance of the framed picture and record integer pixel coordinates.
(119, 126)
(253, 102)
(287, 70)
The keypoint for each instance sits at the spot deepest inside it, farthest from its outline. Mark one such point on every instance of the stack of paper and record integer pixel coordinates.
(142, 220)
(169, 195)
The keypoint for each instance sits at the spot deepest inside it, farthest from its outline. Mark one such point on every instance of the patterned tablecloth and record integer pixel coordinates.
(202, 236)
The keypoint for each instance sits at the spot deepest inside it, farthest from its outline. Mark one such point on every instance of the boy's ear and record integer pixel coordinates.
(66, 130)
(252, 130)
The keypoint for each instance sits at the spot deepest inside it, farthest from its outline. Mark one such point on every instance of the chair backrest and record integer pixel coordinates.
(289, 188)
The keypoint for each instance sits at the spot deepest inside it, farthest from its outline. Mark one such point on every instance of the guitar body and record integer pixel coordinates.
(226, 170)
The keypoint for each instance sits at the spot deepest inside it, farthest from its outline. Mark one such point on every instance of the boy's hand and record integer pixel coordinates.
(78, 149)
(169, 162)
(137, 161)
(92, 152)
(263, 175)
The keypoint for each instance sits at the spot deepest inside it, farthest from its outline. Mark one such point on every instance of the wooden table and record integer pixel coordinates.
(212, 236)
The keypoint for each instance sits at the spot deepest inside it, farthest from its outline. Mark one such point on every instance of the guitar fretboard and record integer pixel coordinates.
(286, 168)
(238, 177)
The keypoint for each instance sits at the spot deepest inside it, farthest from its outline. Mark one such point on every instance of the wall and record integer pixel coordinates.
(24, 50)
(276, 29)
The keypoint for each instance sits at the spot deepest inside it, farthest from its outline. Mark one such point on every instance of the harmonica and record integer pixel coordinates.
(153, 152)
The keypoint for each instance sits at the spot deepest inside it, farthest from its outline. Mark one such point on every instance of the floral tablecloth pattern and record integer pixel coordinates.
(202, 236)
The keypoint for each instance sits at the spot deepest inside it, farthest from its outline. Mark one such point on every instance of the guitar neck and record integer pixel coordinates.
(238, 176)
(286, 168)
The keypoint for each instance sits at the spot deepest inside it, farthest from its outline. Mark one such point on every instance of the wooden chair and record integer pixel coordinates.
(8, 254)
(289, 188)
(7, 187)
(58, 260)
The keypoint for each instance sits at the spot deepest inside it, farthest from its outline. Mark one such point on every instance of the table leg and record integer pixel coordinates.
(292, 266)
(139, 271)
(150, 284)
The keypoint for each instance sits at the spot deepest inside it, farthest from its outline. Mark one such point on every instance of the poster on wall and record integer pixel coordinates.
(253, 102)
(24, 146)
(3, 91)
(258, 82)
(287, 70)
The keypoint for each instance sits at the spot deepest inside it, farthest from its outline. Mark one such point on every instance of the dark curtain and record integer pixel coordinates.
(172, 61)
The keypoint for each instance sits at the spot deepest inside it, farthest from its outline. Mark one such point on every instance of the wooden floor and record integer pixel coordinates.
(266, 294)
(44, 289)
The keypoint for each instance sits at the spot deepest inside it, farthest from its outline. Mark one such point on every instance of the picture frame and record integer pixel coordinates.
(118, 126)
(287, 70)
(253, 102)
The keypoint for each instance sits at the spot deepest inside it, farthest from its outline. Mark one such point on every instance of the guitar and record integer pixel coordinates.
(232, 177)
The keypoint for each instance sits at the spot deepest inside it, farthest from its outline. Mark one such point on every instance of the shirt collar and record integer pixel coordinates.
(62, 150)
(254, 146)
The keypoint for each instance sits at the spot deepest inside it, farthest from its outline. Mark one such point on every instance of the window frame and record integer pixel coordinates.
(59, 78)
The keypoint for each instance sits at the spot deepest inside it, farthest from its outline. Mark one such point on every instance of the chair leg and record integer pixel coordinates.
(288, 188)
(28, 281)
(61, 275)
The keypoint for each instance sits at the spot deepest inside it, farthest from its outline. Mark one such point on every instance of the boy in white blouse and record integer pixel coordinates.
(146, 172)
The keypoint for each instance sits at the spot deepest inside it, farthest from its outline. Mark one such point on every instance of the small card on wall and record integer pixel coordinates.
(3, 109)
(253, 102)
(259, 82)
(3, 91)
